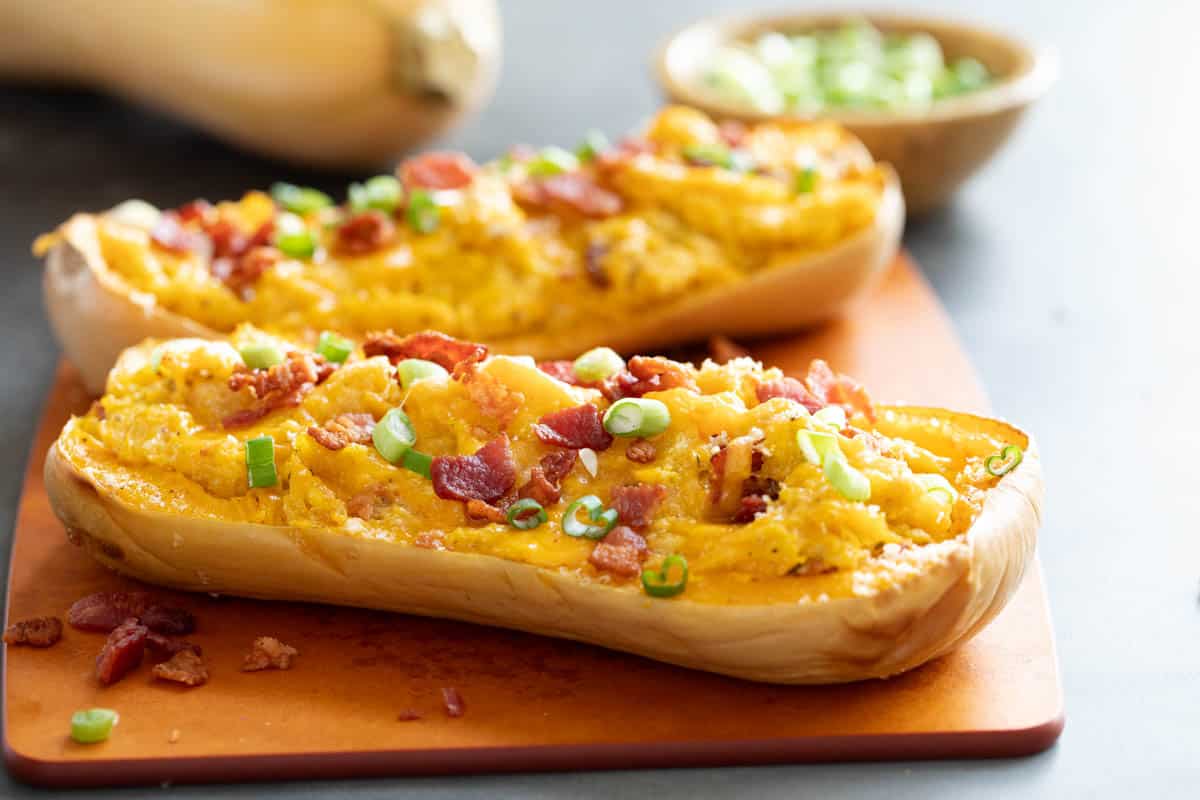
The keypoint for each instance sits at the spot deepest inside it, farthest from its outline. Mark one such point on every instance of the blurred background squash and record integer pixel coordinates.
(343, 84)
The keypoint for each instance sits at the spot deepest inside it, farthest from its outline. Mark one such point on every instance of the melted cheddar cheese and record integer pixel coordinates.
(156, 442)
(494, 269)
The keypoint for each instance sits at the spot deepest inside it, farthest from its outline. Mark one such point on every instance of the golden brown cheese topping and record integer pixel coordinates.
(534, 244)
(768, 487)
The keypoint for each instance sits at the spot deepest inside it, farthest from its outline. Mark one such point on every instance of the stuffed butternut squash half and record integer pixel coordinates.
(687, 230)
(725, 517)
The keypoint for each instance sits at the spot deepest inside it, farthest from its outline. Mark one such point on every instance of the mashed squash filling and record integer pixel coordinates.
(495, 268)
(155, 441)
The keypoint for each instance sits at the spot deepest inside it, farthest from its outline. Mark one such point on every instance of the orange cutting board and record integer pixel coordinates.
(532, 703)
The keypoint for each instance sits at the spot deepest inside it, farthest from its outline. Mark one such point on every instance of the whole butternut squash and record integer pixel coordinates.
(329, 83)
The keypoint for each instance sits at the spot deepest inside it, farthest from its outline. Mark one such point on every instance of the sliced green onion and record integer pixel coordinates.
(593, 145)
(260, 462)
(418, 462)
(718, 155)
(299, 199)
(293, 238)
(394, 435)
(520, 516)
(852, 484)
(815, 445)
(381, 193)
(597, 364)
(1005, 461)
(423, 213)
(637, 416)
(607, 518)
(806, 180)
(335, 349)
(660, 584)
(412, 370)
(93, 725)
(937, 484)
(833, 416)
(551, 161)
(260, 355)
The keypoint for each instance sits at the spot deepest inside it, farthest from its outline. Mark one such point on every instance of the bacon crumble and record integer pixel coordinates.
(635, 503)
(281, 386)
(267, 652)
(186, 667)
(101, 612)
(562, 370)
(575, 428)
(487, 475)
(593, 264)
(568, 194)
(789, 389)
(34, 632)
(453, 355)
(439, 170)
(365, 232)
(644, 374)
(545, 479)
(620, 552)
(343, 430)
(122, 651)
(641, 451)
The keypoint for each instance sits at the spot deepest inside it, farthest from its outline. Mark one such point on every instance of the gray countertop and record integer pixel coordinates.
(1069, 267)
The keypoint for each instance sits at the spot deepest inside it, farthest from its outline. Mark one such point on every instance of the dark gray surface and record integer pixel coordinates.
(1069, 267)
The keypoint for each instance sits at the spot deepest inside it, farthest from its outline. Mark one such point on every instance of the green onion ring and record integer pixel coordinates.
(92, 725)
(393, 435)
(260, 355)
(520, 518)
(596, 513)
(850, 483)
(658, 583)
(1005, 461)
(637, 416)
(335, 349)
(418, 462)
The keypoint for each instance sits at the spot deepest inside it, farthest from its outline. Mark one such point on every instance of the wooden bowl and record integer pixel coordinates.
(934, 150)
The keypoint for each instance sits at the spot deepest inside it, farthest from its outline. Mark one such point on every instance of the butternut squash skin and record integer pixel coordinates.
(325, 83)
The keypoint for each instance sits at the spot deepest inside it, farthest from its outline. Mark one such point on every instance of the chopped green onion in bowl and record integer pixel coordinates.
(855, 66)
(93, 725)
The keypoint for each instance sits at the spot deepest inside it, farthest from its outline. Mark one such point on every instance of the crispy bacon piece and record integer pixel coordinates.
(365, 232)
(228, 238)
(636, 502)
(789, 389)
(168, 620)
(267, 652)
(620, 552)
(35, 632)
(834, 388)
(452, 701)
(122, 651)
(170, 234)
(628, 148)
(756, 492)
(479, 511)
(563, 370)
(575, 428)
(344, 429)
(645, 374)
(751, 506)
(282, 386)
(240, 273)
(186, 667)
(443, 170)
(568, 194)
(104, 611)
(487, 475)
(449, 353)
(593, 264)
(545, 480)
(731, 466)
(641, 451)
